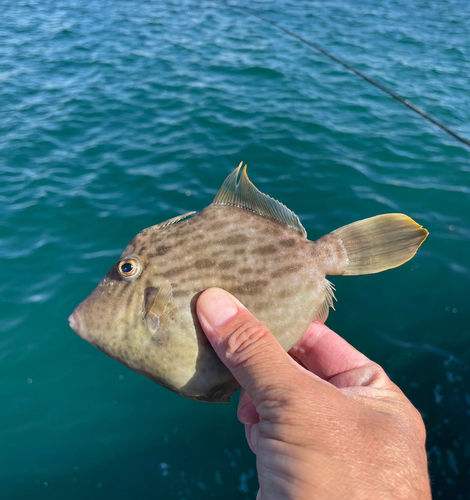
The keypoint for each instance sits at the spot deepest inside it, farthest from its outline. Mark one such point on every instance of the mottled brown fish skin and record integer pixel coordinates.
(143, 313)
(270, 267)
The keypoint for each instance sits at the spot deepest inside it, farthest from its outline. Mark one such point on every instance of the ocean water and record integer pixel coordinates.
(117, 115)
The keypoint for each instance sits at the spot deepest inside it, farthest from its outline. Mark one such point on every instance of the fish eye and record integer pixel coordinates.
(129, 268)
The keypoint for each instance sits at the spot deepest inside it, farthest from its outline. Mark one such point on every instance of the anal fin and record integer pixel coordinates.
(328, 301)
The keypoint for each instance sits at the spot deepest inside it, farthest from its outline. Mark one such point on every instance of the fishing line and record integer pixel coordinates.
(317, 47)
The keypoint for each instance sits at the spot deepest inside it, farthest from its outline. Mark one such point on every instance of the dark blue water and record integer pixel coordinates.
(116, 115)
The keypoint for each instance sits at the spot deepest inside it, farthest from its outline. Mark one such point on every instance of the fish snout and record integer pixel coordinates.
(77, 325)
(73, 322)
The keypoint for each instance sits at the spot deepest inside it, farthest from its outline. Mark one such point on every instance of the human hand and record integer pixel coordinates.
(329, 426)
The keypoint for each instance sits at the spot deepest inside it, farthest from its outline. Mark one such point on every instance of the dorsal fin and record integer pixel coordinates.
(168, 222)
(246, 195)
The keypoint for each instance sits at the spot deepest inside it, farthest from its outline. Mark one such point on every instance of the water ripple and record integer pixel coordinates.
(117, 115)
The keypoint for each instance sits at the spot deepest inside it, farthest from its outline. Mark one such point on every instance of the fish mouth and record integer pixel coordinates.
(73, 322)
(78, 328)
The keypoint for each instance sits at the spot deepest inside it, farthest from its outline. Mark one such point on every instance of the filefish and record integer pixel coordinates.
(143, 313)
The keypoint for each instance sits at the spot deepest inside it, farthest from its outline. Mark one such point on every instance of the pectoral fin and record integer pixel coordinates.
(158, 305)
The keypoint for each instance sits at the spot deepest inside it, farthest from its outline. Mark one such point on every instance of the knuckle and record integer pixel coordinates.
(378, 374)
(418, 423)
(245, 341)
(408, 422)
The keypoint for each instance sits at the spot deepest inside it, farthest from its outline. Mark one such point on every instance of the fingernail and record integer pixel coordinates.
(218, 307)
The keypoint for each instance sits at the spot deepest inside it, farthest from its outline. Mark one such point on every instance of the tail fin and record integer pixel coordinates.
(379, 243)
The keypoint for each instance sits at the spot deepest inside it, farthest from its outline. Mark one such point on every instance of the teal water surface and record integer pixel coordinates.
(116, 115)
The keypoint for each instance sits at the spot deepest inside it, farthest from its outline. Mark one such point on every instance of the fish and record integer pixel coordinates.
(143, 312)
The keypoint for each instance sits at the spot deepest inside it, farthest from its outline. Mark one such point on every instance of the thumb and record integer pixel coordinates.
(246, 346)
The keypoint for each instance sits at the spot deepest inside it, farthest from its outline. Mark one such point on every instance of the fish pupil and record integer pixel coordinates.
(127, 267)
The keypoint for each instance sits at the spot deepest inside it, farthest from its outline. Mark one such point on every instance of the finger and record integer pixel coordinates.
(246, 412)
(326, 354)
(252, 434)
(246, 346)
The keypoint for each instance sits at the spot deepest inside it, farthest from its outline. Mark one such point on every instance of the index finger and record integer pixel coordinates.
(326, 354)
